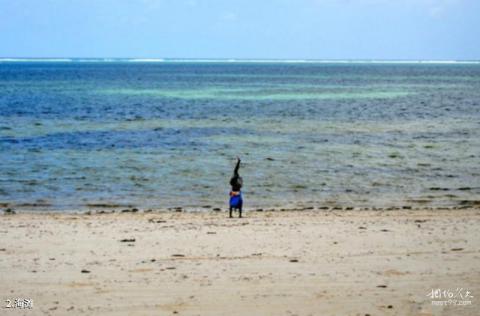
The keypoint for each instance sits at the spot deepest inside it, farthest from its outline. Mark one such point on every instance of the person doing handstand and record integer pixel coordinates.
(236, 201)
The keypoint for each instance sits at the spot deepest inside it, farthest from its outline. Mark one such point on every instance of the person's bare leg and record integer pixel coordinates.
(230, 212)
(240, 212)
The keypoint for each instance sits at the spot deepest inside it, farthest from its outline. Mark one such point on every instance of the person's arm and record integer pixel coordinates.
(235, 172)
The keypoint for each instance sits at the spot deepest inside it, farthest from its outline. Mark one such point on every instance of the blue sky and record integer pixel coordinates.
(313, 29)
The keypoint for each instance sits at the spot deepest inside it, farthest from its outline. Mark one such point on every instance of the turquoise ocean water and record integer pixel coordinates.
(76, 134)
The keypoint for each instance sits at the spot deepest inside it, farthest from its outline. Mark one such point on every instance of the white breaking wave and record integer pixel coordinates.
(146, 60)
(234, 60)
(35, 59)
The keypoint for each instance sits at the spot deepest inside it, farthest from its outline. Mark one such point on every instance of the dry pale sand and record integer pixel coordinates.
(269, 263)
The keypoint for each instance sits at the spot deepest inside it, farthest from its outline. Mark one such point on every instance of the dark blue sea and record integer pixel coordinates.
(86, 134)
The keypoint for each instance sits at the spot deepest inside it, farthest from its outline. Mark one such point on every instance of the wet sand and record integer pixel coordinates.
(269, 263)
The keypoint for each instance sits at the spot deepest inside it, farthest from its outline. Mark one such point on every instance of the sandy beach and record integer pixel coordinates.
(269, 263)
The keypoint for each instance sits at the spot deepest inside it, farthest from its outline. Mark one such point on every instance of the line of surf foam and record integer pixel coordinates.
(233, 60)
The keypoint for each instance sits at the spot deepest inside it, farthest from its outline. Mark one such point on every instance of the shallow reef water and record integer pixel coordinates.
(166, 134)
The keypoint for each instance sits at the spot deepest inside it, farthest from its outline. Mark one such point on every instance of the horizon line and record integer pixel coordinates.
(232, 60)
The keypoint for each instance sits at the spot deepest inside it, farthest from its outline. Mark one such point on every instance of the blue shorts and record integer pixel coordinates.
(236, 201)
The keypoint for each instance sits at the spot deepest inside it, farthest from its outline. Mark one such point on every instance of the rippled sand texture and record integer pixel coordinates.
(157, 135)
(270, 263)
